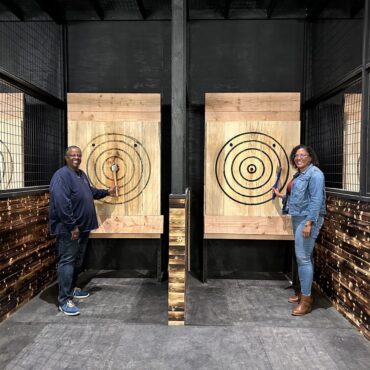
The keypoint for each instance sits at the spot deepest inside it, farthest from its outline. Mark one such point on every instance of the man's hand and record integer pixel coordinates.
(113, 191)
(75, 233)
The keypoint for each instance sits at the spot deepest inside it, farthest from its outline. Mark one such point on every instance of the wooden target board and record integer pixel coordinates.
(11, 141)
(244, 157)
(120, 146)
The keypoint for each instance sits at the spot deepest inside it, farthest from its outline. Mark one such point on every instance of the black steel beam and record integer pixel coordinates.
(98, 9)
(13, 8)
(178, 96)
(356, 7)
(227, 9)
(316, 9)
(52, 9)
(270, 8)
(365, 131)
(349, 80)
(32, 90)
(141, 7)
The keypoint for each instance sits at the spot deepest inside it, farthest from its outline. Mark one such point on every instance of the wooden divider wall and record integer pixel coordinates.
(179, 216)
(27, 253)
(342, 260)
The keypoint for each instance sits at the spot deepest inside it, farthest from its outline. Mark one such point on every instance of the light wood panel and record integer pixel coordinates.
(132, 145)
(252, 106)
(255, 227)
(351, 142)
(11, 141)
(243, 159)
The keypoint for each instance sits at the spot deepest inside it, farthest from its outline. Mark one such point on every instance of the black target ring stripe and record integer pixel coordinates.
(243, 165)
(103, 163)
(142, 162)
(220, 170)
(236, 180)
(122, 162)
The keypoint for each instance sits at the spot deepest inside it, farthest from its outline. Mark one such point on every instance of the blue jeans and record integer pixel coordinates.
(71, 254)
(304, 251)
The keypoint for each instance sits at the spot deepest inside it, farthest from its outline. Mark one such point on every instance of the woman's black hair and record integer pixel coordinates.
(308, 149)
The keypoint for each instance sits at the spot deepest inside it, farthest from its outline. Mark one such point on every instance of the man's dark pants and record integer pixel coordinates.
(71, 254)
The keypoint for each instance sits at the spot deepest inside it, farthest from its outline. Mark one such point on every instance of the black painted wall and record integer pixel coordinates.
(124, 57)
(224, 56)
(237, 56)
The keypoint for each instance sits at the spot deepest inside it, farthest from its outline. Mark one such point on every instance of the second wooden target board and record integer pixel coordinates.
(245, 156)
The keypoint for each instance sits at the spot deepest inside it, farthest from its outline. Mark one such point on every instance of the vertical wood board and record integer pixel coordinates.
(11, 141)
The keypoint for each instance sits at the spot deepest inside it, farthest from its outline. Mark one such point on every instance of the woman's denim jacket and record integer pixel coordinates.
(308, 196)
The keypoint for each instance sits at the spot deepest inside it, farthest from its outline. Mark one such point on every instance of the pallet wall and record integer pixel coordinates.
(179, 216)
(342, 260)
(27, 253)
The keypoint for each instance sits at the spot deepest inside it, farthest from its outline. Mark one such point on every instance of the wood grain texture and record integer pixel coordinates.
(11, 141)
(351, 141)
(243, 157)
(27, 253)
(179, 214)
(125, 136)
(342, 260)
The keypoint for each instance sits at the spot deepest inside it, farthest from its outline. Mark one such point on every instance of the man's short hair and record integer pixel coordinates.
(72, 147)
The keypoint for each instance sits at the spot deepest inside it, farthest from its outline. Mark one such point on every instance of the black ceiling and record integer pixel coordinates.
(62, 11)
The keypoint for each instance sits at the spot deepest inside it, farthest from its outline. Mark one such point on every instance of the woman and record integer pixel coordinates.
(305, 201)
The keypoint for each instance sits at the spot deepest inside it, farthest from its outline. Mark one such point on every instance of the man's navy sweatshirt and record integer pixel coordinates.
(72, 202)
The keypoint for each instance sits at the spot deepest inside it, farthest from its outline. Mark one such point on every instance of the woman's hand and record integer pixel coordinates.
(277, 193)
(306, 232)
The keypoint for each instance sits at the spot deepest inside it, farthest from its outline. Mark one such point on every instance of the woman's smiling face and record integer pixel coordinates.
(302, 159)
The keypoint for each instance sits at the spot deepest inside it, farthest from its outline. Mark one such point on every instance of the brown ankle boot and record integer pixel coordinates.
(296, 298)
(304, 307)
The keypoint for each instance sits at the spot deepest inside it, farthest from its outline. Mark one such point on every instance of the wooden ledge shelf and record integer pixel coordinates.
(129, 227)
(248, 236)
(248, 227)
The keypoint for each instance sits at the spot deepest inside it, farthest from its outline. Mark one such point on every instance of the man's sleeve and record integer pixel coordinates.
(98, 193)
(63, 206)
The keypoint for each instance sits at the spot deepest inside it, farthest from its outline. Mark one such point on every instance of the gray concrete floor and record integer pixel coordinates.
(232, 324)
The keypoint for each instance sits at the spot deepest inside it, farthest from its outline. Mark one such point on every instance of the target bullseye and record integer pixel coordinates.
(252, 168)
(246, 166)
(118, 160)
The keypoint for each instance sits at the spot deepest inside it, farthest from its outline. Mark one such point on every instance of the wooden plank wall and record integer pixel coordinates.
(27, 253)
(248, 139)
(342, 260)
(179, 217)
(121, 129)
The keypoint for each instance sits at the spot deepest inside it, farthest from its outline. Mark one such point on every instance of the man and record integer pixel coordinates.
(72, 216)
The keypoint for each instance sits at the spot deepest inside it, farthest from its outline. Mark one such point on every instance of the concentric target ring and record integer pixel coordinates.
(246, 167)
(131, 158)
(6, 166)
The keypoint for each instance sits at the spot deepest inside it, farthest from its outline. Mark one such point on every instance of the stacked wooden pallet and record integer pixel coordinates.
(27, 253)
(177, 260)
(342, 260)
